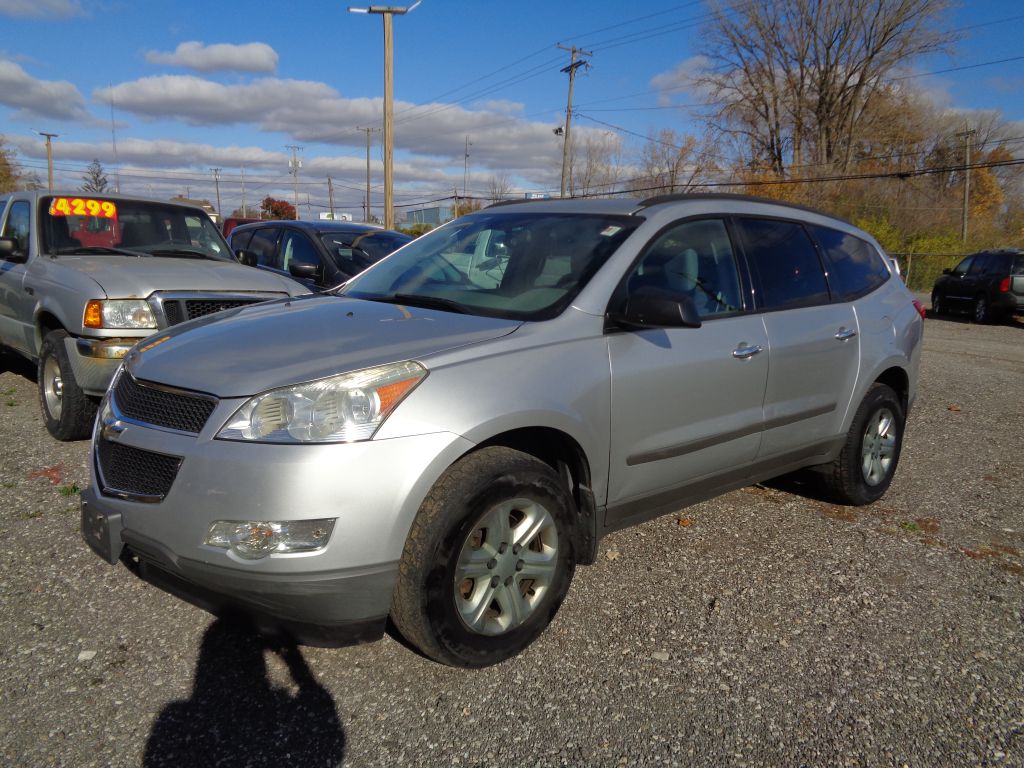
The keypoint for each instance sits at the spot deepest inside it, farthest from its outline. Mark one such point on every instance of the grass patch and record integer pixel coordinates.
(6, 484)
(910, 525)
(10, 403)
(69, 490)
(30, 515)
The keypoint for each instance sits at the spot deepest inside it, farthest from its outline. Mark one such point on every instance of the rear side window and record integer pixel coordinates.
(855, 268)
(786, 262)
(240, 239)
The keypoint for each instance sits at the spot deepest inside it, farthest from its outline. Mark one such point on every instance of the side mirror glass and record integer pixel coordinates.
(248, 258)
(9, 251)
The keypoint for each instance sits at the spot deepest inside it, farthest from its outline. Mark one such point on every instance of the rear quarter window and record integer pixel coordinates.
(855, 267)
(786, 263)
(1017, 267)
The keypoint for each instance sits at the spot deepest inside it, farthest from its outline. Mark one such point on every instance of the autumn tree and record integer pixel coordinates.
(95, 178)
(277, 209)
(8, 169)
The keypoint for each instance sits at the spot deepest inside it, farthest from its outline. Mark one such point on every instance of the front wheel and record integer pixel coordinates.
(938, 305)
(864, 468)
(488, 561)
(67, 410)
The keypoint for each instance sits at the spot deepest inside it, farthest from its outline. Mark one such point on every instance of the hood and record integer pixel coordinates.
(128, 277)
(252, 349)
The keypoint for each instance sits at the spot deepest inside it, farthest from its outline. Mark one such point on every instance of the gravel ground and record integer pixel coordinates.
(761, 628)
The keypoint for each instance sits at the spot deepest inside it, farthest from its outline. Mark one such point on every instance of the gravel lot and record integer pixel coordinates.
(760, 628)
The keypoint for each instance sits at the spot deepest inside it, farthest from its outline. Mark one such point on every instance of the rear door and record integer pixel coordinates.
(813, 342)
(686, 402)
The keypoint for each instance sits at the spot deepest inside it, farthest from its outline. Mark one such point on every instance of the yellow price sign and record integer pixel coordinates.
(82, 206)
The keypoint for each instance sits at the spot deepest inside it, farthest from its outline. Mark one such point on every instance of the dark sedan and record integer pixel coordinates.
(319, 254)
(989, 285)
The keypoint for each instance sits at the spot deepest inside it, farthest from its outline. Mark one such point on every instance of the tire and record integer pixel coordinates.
(865, 467)
(938, 305)
(472, 590)
(982, 314)
(67, 410)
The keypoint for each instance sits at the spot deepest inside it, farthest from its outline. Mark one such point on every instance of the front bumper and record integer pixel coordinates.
(336, 595)
(95, 361)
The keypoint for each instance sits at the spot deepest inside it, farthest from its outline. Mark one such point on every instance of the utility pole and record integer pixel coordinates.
(330, 196)
(455, 206)
(574, 64)
(293, 168)
(49, 157)
(366, 202)
(216, 183)
(387, 12)
(966, 135)
(465, 168)
(309, 209)
(245, 211)
(113, 141)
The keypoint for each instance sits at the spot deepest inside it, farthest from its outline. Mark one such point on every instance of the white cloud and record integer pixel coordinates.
(54, 99)
(41, 8)
(249, 57)
(501, 105)
(680, 79)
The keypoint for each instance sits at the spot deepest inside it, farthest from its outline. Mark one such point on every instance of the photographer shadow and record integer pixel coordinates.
(235, 716)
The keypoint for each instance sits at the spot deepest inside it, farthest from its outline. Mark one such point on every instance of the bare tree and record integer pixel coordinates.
(597, 164)
(670, 162)
(499, 187)
(798, 79)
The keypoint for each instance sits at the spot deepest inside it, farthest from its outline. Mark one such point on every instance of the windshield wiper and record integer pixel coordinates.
(97, 249)
(190, 253)
(427, 302)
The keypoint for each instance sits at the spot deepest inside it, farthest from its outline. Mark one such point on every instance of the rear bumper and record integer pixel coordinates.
(1007, 303)
(330, 608)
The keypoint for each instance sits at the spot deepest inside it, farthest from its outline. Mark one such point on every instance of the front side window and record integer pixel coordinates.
(963, 266)
(855, 268)
(84, 224)
(18, 225)
(786, 263)
(526, 266)
(981, 264)
(694, 258)
(296, 249)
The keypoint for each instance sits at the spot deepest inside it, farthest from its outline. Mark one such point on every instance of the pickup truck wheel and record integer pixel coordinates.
(865, 467)
(67, 410)
(488, 561)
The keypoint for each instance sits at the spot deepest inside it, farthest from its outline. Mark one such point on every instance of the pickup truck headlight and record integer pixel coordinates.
(339, 409)
(118, 314)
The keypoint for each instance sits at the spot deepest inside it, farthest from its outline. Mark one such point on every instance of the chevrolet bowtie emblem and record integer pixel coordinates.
(112, 428)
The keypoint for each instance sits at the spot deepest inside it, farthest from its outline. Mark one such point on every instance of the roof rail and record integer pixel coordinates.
(681, 196)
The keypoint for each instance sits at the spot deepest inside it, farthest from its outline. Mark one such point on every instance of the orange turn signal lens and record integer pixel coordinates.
(93, 314)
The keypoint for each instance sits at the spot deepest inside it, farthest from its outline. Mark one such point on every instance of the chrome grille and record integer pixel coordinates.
(162, 407)
(129, 472)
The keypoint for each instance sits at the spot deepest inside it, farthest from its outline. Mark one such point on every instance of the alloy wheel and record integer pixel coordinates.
(878, 447)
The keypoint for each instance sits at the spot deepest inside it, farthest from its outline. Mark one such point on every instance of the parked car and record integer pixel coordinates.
(83, 278)
(319, 254)
(234, 221)
(444, 438)
(989, 285)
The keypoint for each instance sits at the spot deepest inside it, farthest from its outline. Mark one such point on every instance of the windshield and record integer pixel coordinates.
(81, 224)
(526, 266)
(355, 251)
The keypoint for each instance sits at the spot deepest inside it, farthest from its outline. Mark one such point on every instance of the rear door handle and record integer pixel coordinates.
(845, 334)
(742, 352)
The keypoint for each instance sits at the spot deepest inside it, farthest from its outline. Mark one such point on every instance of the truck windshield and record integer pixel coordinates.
(527, 266)
(83, 224)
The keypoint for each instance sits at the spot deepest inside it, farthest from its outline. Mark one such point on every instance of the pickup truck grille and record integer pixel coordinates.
(162, 407)
(129, 472)
(179, 310)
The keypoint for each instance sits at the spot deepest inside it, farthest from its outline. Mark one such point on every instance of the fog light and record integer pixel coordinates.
(255, 539)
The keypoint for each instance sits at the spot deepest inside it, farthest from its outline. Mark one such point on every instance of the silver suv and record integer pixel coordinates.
(445, 437)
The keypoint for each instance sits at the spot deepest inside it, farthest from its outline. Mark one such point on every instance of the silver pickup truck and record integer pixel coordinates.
(84, 277)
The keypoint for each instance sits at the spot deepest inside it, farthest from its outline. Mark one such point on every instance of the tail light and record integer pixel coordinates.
(920, 308)
(1004, 285)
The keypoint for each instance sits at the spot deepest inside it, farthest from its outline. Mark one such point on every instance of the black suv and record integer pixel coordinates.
(989, 285)
(319, 254)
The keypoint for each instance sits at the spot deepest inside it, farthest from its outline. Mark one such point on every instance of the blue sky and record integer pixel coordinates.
(203, 85)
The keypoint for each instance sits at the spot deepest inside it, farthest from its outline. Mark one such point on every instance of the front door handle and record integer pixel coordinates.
(29, 291)
(742, 352)
(845, 334)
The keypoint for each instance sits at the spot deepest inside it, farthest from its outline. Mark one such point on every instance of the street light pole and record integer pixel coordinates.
(387, 12)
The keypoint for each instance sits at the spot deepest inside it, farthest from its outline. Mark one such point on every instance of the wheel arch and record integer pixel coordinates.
(897, 379)
(46, 322)
(566, 456)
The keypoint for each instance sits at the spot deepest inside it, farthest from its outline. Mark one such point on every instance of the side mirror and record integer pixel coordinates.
(304, 271)
(9, 251)
(651, 307)
(248, 258)
(947, 271)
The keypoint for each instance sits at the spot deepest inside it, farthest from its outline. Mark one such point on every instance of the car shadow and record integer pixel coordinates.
(12, 362)
(235, 716)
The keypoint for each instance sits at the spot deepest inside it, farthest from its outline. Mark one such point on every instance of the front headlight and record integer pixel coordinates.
(341, 409)
(120, 314)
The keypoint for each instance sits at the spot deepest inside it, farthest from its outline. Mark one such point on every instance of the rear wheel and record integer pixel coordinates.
(67, 410)
(488, 561)
(864, 468)
(982, 313)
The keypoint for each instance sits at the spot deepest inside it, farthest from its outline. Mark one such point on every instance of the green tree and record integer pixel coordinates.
(95, 178)
(278, 209)
(8, 169)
